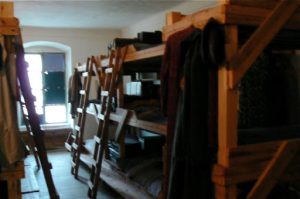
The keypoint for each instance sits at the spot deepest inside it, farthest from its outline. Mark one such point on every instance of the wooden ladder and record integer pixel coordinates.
(76, 143)
(38, 134)
(31, 147)
(110, 85)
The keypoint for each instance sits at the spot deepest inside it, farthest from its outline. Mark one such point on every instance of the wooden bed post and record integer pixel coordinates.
(6, 9)
(227, 115)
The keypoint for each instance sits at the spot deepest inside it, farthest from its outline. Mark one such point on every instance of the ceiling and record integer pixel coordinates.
(88, 14)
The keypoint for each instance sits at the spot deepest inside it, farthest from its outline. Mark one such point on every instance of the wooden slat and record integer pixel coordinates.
(273, 171)
(68, 146)
(248, 53)
(121, 125)
(16, 172)
(104, 93)
(85, 74)
(97, 139)
(144, 54)
(268, 4)
(77, 128)
(198, 19)
(247, 163)
(109, 70)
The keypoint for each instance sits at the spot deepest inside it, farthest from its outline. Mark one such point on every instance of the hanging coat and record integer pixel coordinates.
(12, 148)
(190, 165)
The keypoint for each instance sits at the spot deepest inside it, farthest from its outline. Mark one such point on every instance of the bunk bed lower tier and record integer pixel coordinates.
(139, 177)
(264, 157)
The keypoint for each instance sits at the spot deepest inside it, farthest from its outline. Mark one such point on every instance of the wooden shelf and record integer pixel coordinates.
(134, 55)
(133, 121)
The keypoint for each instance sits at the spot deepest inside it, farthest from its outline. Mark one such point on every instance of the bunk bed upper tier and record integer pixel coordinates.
(135, 55)
(244, 13)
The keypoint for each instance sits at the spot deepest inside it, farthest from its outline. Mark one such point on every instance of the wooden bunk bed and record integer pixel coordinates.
(266, 163)
(269, 162)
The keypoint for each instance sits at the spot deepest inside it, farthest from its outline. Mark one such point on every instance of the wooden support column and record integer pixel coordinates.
(6, 9)
(227, 115)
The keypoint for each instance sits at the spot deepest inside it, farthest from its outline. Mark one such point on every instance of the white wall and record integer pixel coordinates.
(83, 42)
(157, 21)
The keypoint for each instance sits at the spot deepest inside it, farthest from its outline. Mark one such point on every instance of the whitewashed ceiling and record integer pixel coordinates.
(87, 14)
(90, 14)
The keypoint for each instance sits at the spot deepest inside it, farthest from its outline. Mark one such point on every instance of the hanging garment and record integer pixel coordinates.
(170, 77)
(74, 87)
(190, 173)
(12, 148)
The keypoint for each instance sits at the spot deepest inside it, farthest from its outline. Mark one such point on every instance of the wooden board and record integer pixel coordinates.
(133, 121)
(229, 14)
(247, 163)
(118, 181)
(17, 172)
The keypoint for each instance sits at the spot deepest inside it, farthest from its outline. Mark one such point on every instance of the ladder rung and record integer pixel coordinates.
(109, 70)
(75, 146)
(79, 110)
(94, 163)
(82, 92)
(73, 136)
(68, 146)
(77, 128)
(104, 93)
(97, 139)
(100, 116)
(27, 148)
(85, 74)
(73, 164)
(91, 185)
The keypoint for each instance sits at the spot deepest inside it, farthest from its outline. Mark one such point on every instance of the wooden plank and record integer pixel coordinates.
(144, 54)
(118, 180)
(227, 112)
(228, 101)
(16, 172)
(133, 121)
(198, 19)
(269, 4)
(248, 162)
(120, 126)
(253, 16)
(173, 17)
(11, 21)
(248, 53)
(273, 171)
(6, 9)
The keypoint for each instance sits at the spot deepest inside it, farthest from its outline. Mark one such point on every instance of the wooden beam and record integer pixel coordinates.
(227, 113)
(273, 171)
(173, 17)
(6, 9)
(228, 100)
(249, 52)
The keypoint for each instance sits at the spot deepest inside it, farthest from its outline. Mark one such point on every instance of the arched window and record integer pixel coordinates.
(49, 69)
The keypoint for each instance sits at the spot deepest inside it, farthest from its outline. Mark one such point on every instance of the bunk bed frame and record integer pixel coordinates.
(9, 25)
(266, 163)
